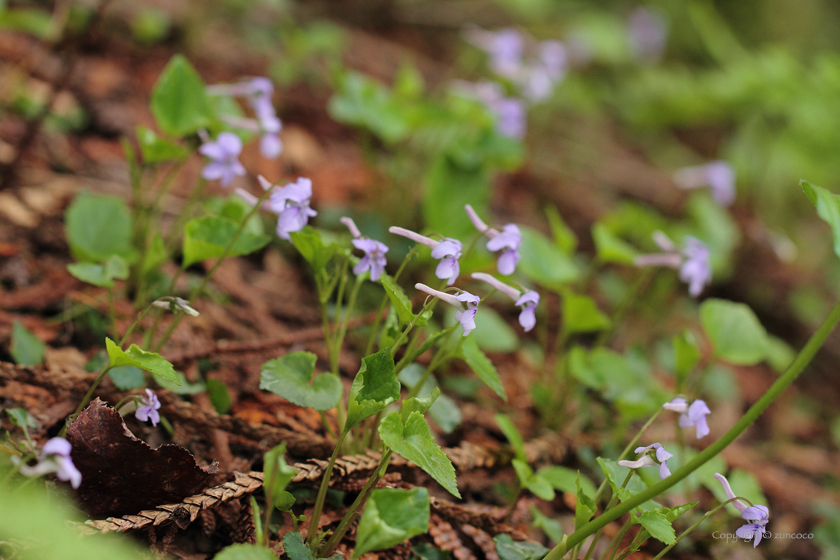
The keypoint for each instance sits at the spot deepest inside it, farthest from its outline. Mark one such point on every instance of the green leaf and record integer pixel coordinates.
(609, 248)
(149, 361)
(419, 404)
(779, 353)
(585, 507)
(735, 332)
(671, 514)
(512, 434)
(219, 395)
(291, 377)
(296, 549)
(399, 300)
(565, 480)
(540, 487)
(564, 237)
(102, 275)
(206, 238)
(38, 23)
(179, 101)
(21, 418)
(278, 474)
(448, 186)
(429, 552)
(156, 149)
(581, 314)
(429, 342)
(413, 440)
(374, 388)
(658, 526)
(616, 476)
(543, 262)
(482, 366)
(311, 246)
(492, 333)
(509, 549)
(180, 386)
(444, 411)
(686, 354)
(392, 516)
(247, 552)
(365, 102)
(550, 526)
(127, 378)
(26, 348)
(98, 226)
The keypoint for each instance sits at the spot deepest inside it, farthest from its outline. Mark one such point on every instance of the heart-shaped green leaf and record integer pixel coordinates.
(414, 441)
(135, 356)
(179, 100)
(97, 227)
(736, 334)
(207, 237)
(392, 516)
(102, 275)
(374, 388)
(291, 377)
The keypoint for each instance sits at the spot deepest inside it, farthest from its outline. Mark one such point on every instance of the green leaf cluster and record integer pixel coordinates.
(137, 357)
(392, 516)
(292, 377)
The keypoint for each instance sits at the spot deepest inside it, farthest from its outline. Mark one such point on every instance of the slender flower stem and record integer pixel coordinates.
(616, 542)
(630, 297)
(322, 493)
(610, 505)
(802, 359)
(351, 304)
(356, 508)
(385, 300)
(112, 313)
(86, 399)
(134, 325)
(404, 334)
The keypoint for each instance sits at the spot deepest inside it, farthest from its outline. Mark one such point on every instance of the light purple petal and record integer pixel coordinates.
(506, 265)
(469, 299)
(377, 266)
(756, 513)
(698, 411)
(685, 421)
(271, 146)
(529, 297)
(662, 455)
(214, 170)
(56, 446)
(290, 221)
(664, 472)
(363, 266)
(230, 143)
(212, 150)
(67, 471)
(677, 404)
(467, 320)
(528, 318)
(509, 238)
(447, 248)
(721, 179)
(554, 58)
(448, 269)
(702, 427)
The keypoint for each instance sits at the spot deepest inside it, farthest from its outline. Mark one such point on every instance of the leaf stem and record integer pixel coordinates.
(322, 493)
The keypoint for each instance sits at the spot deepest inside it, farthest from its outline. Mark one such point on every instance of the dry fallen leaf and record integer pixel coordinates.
(122, 474)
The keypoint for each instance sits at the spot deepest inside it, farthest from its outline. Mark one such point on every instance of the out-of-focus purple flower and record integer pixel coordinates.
(148, 409)
(509, 112)
(291, 203)
(258, 92)
(759, 515)
(717, 175)
(466, 305)
(448, 251)
(351, 225)
(504, 48)
(554, 59)
(224, 156)
(654, 455)
(544, 72)
(693, 261)
(647, 33)
(55, 458)
(374, 259)
(509, 239)
(694, 415)
(527, 301)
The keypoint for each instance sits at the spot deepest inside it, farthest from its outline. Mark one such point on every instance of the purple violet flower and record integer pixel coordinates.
(259, 92)
(647, 34)
(148, 409)
(759, 515)
(654, 455)
(509, 239)
(695, 268)
(448, 251)
(291, 204)
(224, 154)
(55, 458)
(509, 112)
(374, 259)
(694, 415)
(717, 175)
(504, 47)
(527, 301)
(465, 303)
